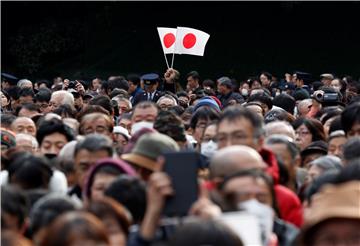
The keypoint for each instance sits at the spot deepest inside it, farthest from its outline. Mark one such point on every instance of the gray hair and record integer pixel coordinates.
(327, 163)
(282, 139)
(23, 82)
(67, 97)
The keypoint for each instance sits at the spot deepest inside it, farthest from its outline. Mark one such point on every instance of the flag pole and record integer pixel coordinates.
(172, 60)
(167, 63)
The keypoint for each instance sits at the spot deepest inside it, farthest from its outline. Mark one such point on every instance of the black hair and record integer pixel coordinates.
(130, 192)
(285, 102)
(267, 75)
(193, 74)
(170, 124)
(233, 113)
(330, 112)
(254, 173)
(43, 81)
(335, 124)
(177, 109)
(43, 95)
(210, 83)
(205, 113)
(351, 149)
(119, 92)
(93, 143)
(28, 106)
(134, 78)
(7, 120)
(350, 172)
(182, 94)
(105, 86)
(313, 125)
(30, 172)
(48, 127)
(252, 79)
(204, 232)
(119, 83)
(47, 209)
(65, 111)
(262, 98)
(102, 101)
(24, 92)
(14, 202)
(350, 116)
(13, 92)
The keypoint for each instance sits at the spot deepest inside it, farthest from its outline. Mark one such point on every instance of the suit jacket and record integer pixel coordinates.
(144, 97)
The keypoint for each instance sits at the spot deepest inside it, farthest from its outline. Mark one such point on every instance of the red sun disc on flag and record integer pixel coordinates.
(169, 39)
(189, 40)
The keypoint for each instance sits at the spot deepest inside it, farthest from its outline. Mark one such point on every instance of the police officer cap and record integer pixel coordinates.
(8, 77)
(150, 78)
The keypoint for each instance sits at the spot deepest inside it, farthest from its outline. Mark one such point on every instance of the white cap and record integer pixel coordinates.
(122, 130)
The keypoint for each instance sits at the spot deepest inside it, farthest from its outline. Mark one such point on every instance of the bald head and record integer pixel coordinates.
(233, 159)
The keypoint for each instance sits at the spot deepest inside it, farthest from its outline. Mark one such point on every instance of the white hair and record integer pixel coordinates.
(67, 97)
(120, 98)
(279, 127)
(34, 142)
(167, 97)
(23, 82)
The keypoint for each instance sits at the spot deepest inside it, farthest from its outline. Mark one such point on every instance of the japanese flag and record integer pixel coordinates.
(167, 38)
(190, 41)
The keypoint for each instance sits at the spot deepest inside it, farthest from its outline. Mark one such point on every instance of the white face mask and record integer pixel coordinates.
(244, 92)
(209, 148)
(277, 93)
(265, 215)
(140, 125)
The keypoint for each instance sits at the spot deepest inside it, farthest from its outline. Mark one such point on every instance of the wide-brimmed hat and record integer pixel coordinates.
(148, 148)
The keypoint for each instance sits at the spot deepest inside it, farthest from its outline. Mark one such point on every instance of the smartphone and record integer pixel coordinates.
(182, 167)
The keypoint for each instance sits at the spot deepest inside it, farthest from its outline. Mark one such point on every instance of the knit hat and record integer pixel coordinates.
(207, 101)
(8, 138)
(148, 148)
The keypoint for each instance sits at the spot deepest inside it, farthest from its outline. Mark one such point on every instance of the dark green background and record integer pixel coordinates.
(84, 39)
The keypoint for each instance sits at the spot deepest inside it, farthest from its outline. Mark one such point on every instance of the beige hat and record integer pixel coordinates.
(333, 201)
(326, 76)
(148, 148)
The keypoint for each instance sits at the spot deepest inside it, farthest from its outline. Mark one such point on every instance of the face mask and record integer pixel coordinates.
(277, 93)
(244, 92)
(265, 215)
(208, 149)
(50, 156)
(140, 125)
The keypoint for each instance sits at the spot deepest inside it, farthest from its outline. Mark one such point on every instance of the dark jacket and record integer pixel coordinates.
(285, 232)
(144, 97)
(225, 99)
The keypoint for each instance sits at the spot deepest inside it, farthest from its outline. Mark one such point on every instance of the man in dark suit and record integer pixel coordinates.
(151, 84)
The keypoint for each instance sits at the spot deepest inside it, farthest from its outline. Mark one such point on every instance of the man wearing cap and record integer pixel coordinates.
(147, 149)
(226, 94)
(302, 80)
(151, 83)
(326, 78)
(333, 217)
(8, 81)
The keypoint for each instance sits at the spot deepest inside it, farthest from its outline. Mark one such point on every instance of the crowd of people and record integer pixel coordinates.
(82, 161)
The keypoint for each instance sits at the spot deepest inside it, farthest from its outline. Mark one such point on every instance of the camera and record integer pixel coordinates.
(324, 97)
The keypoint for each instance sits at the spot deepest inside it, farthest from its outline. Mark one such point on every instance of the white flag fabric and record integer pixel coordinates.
(190, 41)
(167, 38)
